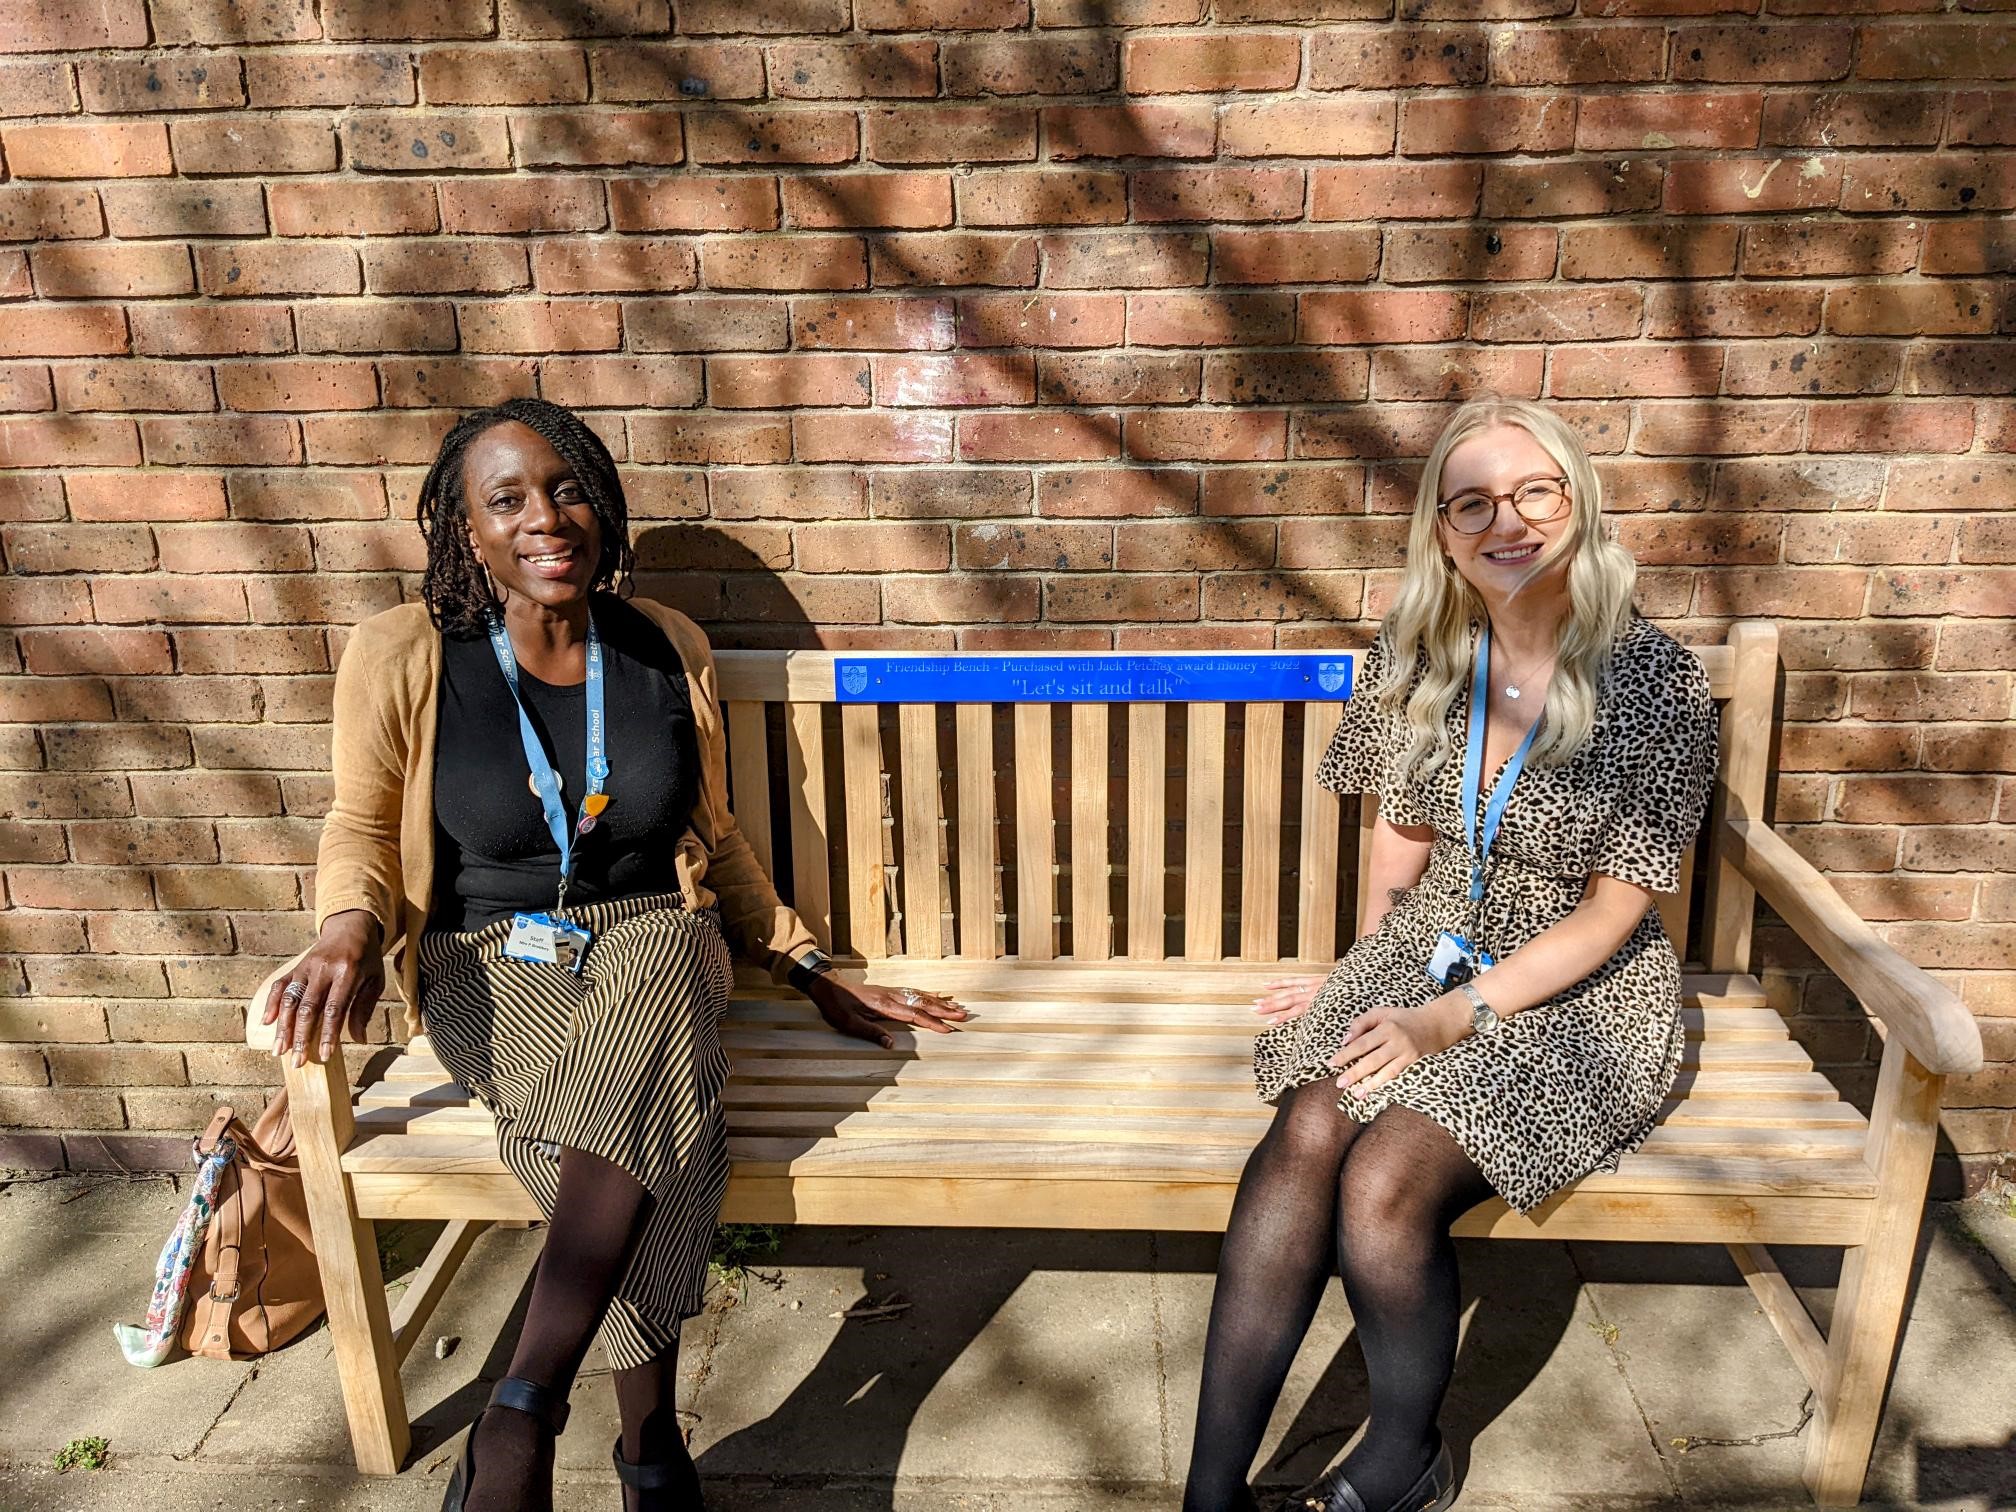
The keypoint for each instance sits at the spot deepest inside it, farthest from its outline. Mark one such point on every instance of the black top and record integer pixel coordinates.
(493, 855)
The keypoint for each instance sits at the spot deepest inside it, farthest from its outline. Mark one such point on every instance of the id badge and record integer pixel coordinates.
(552, 942)
(1456, 960)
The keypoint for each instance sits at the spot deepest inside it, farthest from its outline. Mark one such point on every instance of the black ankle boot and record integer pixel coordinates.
(659, 1487)
(541, 1403)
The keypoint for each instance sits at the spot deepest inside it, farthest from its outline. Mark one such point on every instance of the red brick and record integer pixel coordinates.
(949, 600)
(1762, 53)
(694, 202)
(340, 207)
(68, 441)
(343, 600)
(954, 259)
(1124, 260)
(725, 440)
(1636, 371)
(1668, 540)
(1580, 55)
(1737, 186)
(112, 271)
(916, 200)
(459, 267)
(781, 382)
(1966, 591)
(1798, 592)
(1964, 483)
(99, 330)
(14, 280)
(41, 700)
(1040, 436)
(1815, 484)
(1207, 64)
(147, 208)
(1108, 492)
(493, 75)
(71, 25)
(1206, 320)
(1397, 57)
(594, 18)
(854, 70)
(208, 330)
(871, 437)
(404, 20)
(540, 325)
(939, 15)
(796, 262)
(1301, 490)
(146, 496)
(614, 265)
(1438, 125)
(1820, 249)
(373, 325)
(61, 652)
(1969, 246)
(698, 323)
(590, 138)
(101, 149)
(1194, 546)
(1986, 50)
(297, 385)
(792, 494)
(1438, 373)
(139, 601)
(1542, 314)
(1463, 254)
(1042, 197)
(1981, 118)
(173, 81)
(938, 382)
(115, 748)
(1714, 429)
(1390, 191)
(1130, 130)
(375, 439)
(30, 601)
(1811, 367)
(46, 212)
(1732, 310)
(221, 441)
(1033, 545)
(1889, 184)
(1321, 128)
(882, 323)
(1914, 309)
(881, 547)
(654, 70)
(609, 382)
(1207, 435)
(1915, 800)
(342, 77)
(1284, 377)
(1930, 425)
(135, 385)
(426, 141)
(37, 87)
(1301, 10)
(1119, 597)
(1030, 66)
(776, 136)
(1131, 378)
(951, 134)
(31, 496)
(1858, 118)
(520, 204)
(233, 22)
(250, 145)
(1618, 186)
(255, 269)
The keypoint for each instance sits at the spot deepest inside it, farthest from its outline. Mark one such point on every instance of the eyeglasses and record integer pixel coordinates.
(1475, 512)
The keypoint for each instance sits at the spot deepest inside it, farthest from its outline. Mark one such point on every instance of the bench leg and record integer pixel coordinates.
(346, 1253)
(1875, 1282)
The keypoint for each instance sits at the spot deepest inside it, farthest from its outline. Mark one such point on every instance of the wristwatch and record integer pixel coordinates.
(1482, 1019)
(814, 963)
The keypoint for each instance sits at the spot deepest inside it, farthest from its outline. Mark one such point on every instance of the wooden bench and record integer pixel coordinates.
(1107, 885)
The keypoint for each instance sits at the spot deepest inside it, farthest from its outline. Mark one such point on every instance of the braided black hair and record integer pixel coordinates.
(455, 587)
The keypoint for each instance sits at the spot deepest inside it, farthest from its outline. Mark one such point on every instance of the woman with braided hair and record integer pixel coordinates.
(531, 809)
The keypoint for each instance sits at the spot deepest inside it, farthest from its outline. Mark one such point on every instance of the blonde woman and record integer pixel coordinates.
(1510, 1020)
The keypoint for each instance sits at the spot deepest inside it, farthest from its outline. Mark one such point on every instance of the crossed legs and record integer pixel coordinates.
(1373, 1202)
(597, 1219)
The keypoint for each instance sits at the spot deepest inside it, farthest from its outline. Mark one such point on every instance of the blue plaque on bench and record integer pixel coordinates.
(1096, 677)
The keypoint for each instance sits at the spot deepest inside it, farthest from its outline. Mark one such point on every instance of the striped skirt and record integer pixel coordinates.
(624, 1061)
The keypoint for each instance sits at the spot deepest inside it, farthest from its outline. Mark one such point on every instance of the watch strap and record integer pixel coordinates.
(814, 963)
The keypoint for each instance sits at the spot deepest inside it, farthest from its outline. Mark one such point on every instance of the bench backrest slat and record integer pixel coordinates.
(959, 796)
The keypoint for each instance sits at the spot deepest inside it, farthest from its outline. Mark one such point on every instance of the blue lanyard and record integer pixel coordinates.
(546, 781)
(1473, 770)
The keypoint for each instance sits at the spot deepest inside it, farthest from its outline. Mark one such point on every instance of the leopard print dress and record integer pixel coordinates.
(1572, 1085)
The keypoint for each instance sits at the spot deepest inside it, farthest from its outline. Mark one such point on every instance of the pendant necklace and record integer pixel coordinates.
(1512, 688)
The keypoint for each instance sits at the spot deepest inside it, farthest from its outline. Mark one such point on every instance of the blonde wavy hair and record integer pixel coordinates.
(1435, 607)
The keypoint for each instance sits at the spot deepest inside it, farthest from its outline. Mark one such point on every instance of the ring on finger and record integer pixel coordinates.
(293, 992)
(911, 997)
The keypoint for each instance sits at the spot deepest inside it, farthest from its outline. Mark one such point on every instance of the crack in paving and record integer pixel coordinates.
(1161, 1355)
(229, 1402)
(1610, 1331)
(1688, 1443)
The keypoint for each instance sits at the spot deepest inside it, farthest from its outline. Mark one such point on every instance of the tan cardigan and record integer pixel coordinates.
(377, 849)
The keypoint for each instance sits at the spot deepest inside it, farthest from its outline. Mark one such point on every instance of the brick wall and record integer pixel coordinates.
(983, 323)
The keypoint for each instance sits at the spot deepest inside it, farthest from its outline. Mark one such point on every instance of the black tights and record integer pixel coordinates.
(597, 1216)
(1373, 1202)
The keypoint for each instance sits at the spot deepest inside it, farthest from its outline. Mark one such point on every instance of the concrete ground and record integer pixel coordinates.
(1044, 1371)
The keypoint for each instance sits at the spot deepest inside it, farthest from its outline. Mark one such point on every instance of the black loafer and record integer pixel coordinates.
(1434, 1492)
(650, 1482)
(520, 1395)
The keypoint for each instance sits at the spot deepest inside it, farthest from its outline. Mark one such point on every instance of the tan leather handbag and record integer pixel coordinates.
(255, 1285)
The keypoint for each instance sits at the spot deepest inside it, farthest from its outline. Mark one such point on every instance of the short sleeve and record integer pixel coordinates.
(1669, 772)
(1362, 754)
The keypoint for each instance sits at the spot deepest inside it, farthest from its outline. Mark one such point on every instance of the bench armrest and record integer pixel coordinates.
(1933, 1024)
(260, 1036)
